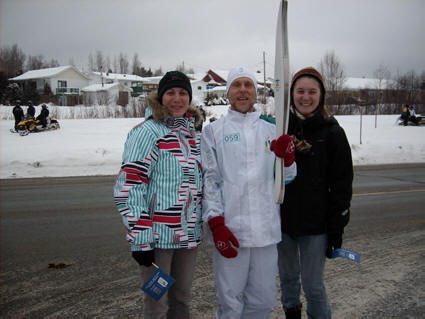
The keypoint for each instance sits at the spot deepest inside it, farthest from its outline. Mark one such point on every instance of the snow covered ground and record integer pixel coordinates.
(94, 146)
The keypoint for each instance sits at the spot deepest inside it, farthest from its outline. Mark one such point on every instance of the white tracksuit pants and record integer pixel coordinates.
(246, 285)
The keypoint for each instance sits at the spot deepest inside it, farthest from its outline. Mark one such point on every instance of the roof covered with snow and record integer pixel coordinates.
(105, 87)
(119, 76)
(45, 73)
(366, 83)
(152, 79)
(221, 88)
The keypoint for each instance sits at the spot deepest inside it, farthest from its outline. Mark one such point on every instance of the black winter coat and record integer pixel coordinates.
(31, 111)
(44, 113)
(322, 189)
(18, 113)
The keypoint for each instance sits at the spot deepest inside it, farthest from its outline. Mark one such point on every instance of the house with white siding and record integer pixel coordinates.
(132, 81)
(64, 82)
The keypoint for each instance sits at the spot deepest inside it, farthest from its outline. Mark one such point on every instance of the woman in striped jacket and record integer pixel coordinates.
(158, 193)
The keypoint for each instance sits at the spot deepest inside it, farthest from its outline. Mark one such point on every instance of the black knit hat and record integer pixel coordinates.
(173, 79)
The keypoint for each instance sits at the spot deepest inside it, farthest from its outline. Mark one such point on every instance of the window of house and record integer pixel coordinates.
(61, 86)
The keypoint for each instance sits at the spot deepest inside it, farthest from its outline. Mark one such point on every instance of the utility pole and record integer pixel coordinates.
(264, 73)
(101, 76)
(361, 122)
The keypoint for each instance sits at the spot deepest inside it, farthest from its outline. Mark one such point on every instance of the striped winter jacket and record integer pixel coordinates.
(158, 191)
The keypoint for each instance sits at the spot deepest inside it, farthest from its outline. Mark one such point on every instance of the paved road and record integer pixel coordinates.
(72, 223)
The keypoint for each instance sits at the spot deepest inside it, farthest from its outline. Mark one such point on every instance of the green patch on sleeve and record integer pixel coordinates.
(268, 118)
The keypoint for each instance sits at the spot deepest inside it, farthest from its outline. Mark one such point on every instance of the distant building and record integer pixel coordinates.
(132, 81)
(367, 91)
(105, 94)
(63, 82)
(150, 84)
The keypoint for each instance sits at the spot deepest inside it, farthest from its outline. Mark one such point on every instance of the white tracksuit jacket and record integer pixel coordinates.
(238, 169)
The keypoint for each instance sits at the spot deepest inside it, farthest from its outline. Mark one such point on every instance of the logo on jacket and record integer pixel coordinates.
(231, 138)
(221, 245)
(267, 144)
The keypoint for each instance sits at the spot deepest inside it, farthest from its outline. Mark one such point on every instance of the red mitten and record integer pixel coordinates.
(284, 148)
(224, 239)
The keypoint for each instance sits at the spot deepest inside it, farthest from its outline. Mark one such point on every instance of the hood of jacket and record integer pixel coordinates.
(161, 113)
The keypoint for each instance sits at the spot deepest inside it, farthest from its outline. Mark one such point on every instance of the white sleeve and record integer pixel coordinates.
(212, 203)
(290, 173)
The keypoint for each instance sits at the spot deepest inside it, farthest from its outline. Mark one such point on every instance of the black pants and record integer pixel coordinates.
(414, 120)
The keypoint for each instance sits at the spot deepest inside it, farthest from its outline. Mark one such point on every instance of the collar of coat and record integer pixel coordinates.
(250, 116)
(161, 114)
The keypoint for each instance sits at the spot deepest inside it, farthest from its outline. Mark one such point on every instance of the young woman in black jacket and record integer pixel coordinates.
(316, 205)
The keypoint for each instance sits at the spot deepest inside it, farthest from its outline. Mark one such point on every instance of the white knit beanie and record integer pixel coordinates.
(240, 72)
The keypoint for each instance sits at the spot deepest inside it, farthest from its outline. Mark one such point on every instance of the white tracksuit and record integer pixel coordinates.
(238, 171)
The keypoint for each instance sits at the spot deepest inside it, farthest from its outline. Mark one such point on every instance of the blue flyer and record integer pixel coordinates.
(158, 284)
(346, 254)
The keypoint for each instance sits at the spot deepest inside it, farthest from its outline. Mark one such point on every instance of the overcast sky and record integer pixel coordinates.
(220, 33)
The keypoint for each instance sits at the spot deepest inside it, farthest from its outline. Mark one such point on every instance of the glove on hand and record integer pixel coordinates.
(334, 241)
(144, 258)
(224, 239)
(284, 148)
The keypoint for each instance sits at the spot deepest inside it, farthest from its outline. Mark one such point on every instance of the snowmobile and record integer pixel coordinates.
(31, 125)
(420, 120)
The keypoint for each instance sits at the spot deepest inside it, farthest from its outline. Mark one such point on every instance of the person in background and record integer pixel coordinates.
(30, 110)
(44, 114)
(405, 114)
(18, 113)
(204, 117)
(158, 193)
(239, 203)
(316, 207)
(412, 115)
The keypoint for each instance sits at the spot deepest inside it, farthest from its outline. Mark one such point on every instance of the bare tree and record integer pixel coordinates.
(334, 77)
(414, 85)
(100, 61)
(422, 80)
(182, 68)
(11, 64)
(123, 64)
(382, 74)
(108, 64)
(158, 72)
(409, 87)
(35, 62)
(333, 72)
(53, 63)
(115, 64)
(91, 64)
(136, 64)
(12, 60)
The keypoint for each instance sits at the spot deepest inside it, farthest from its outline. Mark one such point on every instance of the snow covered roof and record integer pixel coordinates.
(105, 87)
(365, 83)
(45, 73)
(220, 88)
(152, 79)
(119, 76)
(196, 76)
